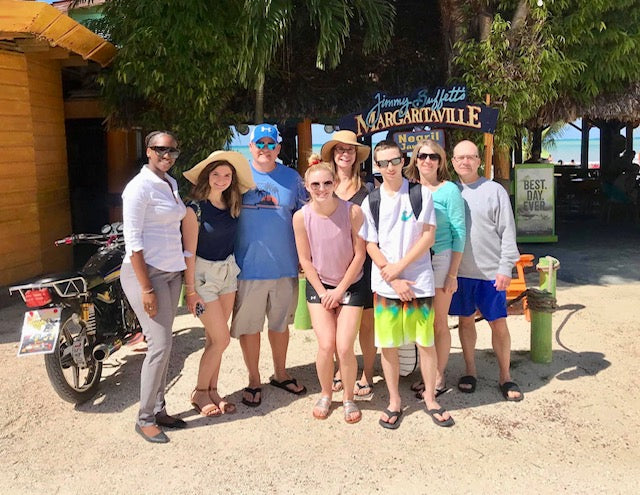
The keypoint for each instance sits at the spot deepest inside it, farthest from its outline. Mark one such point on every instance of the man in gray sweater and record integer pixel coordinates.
(489, 256)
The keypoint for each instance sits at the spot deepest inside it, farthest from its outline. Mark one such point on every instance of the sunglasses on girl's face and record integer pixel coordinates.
(430, 156)
(163, 150)
(260, 145)
(316, 185)
(385, 163)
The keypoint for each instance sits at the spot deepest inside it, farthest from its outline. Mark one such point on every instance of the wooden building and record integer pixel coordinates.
(36, 42)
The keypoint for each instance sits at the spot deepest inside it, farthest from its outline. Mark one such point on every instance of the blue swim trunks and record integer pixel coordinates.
(474, 294)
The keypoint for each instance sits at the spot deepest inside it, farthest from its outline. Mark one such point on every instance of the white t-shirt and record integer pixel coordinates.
(399, 231)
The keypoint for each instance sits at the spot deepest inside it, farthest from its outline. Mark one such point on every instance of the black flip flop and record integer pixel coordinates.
(439, 392)
(441, 411)
(390, 415)
(417, 387)
(507, 387)
(467, 380)
(253, 392)
(283, 385)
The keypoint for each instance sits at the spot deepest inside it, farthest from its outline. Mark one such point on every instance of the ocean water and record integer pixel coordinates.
(569, 149)
(245, 150)
(564, 149)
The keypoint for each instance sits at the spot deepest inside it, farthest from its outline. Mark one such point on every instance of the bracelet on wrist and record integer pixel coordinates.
(452, 276)
(148, 291)
(191, 293)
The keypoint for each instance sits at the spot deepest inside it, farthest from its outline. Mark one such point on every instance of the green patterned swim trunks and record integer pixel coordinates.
(398, 323)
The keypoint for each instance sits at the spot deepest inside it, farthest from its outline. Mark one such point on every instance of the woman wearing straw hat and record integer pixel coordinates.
(151, 273)
(346, 155)
(209, 231)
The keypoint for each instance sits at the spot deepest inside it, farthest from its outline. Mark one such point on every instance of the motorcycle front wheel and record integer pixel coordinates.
(72, 382)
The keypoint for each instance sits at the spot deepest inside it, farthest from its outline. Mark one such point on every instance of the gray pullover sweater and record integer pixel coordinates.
(491, 231)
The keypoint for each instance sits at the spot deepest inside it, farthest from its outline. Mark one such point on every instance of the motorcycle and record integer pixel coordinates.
(79, 319)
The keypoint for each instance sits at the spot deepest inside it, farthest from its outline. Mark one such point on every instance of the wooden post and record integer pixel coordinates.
(488, 147)
(121, 161)
(305, 144)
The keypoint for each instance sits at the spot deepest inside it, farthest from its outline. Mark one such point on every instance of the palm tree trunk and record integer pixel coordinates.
(259, 113)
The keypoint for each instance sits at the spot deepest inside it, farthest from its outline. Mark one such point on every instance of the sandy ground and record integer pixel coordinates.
(575, 432)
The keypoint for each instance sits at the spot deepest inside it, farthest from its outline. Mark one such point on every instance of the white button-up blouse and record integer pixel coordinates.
(152, 212)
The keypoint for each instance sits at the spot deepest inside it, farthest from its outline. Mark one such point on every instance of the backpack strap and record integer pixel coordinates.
(415, 197)
(374, 206)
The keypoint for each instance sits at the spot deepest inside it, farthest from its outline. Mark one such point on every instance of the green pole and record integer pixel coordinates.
(302, 319)
(548, 268)
(541, 348)
(541, 321)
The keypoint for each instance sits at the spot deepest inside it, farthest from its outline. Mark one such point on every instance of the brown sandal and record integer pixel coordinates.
(208, 410)
(223, 405)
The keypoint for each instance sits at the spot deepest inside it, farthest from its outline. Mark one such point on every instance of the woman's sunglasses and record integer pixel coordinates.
(430, 156)
(316, 185)
(163, 150)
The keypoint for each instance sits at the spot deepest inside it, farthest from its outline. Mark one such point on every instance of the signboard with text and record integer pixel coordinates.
(407, 140)
(535, 203)
(441, 107)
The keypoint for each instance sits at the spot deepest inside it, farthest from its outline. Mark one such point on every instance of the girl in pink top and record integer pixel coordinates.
(331, 254)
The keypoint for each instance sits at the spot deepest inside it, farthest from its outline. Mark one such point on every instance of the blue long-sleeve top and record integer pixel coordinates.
(450, 216)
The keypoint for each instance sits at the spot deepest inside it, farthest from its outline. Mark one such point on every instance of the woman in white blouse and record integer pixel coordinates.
(151, 273)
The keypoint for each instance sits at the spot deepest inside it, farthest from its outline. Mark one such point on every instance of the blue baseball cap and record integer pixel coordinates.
(265, 131)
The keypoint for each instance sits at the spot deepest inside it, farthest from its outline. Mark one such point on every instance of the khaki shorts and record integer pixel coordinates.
(276, 299)
(215, 278)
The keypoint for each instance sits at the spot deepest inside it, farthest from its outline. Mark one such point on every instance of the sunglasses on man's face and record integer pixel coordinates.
(261, 145)
(393, 161)
(163, 150)
(431, 156)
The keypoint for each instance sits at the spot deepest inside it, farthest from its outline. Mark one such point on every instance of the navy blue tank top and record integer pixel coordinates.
(217, 233)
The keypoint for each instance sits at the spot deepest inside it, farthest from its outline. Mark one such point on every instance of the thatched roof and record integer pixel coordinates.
(623, 106)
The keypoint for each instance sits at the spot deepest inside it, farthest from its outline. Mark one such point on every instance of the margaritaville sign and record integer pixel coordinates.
(442, 107)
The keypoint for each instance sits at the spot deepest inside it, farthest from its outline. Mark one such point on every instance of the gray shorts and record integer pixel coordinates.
(214, 278)
(276, 299)
(441, 263)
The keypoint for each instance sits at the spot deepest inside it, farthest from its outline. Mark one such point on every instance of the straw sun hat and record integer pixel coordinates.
(235, 159)
(344, 137)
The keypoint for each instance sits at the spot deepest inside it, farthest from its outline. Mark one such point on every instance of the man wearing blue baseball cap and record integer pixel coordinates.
(266, 254)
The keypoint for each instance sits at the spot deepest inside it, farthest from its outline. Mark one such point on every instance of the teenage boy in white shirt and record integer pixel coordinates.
(398, 242)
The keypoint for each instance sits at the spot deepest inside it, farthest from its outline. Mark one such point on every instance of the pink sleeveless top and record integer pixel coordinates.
(330, 242)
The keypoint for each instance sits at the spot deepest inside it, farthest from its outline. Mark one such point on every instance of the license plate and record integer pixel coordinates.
(40, 331)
